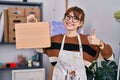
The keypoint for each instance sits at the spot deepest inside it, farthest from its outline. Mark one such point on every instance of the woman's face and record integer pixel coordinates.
(72, 22)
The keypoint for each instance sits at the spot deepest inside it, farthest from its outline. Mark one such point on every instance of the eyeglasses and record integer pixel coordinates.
(74, 18)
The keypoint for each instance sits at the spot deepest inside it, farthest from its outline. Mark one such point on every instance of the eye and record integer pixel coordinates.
(68, 16)
(75, 18)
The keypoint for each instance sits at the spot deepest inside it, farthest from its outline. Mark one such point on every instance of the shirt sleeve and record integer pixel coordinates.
(107, 52)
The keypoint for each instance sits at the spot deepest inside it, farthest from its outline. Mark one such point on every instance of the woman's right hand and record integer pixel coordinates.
(31, 18)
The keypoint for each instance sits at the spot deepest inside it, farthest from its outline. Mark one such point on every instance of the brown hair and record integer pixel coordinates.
(78, 12)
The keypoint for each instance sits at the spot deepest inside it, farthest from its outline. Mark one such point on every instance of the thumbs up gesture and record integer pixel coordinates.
(92, 39)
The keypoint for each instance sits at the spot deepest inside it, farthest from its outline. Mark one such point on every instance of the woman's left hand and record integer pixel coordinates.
(92, 39)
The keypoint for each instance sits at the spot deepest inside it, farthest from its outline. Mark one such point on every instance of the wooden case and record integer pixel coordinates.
(35, 11)
(16, 11)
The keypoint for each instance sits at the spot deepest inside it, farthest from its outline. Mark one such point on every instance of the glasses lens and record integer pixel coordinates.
(74, 18)
(67, 17)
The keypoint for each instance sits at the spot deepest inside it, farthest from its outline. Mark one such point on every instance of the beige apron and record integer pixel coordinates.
(70, 64)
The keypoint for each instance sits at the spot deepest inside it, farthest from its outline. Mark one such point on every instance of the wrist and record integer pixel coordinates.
(101, 44)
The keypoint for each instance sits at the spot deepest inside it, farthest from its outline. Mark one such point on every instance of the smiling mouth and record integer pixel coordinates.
(69, 24)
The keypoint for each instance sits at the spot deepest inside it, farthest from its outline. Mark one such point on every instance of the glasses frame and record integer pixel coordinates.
(75, 19)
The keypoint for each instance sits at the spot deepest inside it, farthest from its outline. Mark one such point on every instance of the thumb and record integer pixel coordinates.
(94, 32)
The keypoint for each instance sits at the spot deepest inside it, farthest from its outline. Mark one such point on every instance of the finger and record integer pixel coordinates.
(30, 16)
(94, 32)
(90, 37)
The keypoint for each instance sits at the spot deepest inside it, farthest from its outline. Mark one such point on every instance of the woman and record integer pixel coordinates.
(71, 52)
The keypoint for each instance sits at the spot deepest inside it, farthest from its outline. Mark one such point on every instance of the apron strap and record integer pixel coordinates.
(63, 41)
(80, 46)
(79, 41)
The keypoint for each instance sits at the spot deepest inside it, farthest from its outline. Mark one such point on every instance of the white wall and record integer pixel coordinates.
(99, 15)
(52, 9)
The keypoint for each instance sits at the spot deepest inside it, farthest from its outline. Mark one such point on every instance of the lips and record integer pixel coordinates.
(69, 24)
